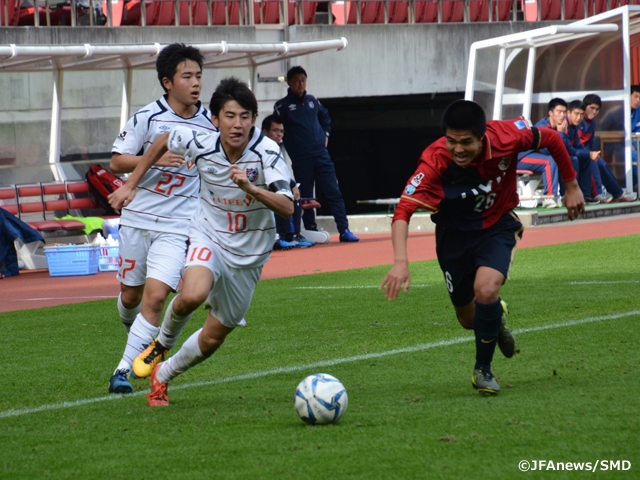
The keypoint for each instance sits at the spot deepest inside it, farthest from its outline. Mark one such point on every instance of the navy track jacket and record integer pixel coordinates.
(306, 125)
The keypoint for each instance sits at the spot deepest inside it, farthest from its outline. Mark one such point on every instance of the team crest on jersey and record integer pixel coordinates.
(504, 163)
(311, 105)
(522, 123)
(252, 174)
(415, 181)
(409, 190)
(122, 135)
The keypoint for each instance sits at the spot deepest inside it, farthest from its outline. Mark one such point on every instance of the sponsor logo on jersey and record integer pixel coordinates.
(292, 107)
(252, 174)
(504, 163)
(195, 139)
(164, 128)
(409, 190)
(311, 105)
(231, 201)
(522, 123)
(122, 135)
(415, 181)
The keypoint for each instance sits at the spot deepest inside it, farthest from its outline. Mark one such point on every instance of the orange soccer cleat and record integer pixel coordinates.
(158, 396)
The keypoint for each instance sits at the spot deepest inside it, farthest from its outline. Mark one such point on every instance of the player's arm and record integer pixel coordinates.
(127, 192)
(125, 163)
(573, 200)
(399, 273)
(275, 199)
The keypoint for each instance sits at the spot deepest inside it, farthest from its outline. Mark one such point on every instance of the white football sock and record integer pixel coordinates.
(140, 336)
(172, 326)
(188, 356)
(127, 315)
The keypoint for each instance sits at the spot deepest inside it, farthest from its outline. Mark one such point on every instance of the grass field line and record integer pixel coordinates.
(324, 363)
(602, 282)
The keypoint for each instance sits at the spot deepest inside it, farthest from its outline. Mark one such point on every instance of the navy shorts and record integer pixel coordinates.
(461, 253)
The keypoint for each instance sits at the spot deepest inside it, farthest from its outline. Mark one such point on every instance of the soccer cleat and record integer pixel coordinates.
(549, 203)
(483, 381)
(119, 383)
(604, 197)
(157, 397)
(302, 242)
(143, 364)
(348, 237)
(625, 197)
(283, 245)
(506, 341)
(591, 201)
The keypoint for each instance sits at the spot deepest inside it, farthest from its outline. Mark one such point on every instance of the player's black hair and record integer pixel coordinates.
(592, 99)
(173, 55)
(270, 120)
(635, 88)
(576, 104)
(464, 115)
(231, 88)
(295, 71)
(554, 102)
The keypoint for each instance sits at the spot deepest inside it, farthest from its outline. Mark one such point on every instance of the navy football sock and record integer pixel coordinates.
(486, 323)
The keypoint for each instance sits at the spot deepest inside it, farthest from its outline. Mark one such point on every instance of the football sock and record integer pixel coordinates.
(172, 325)
(140, 336)
(486, 324)
(188, 356)
(127, 315)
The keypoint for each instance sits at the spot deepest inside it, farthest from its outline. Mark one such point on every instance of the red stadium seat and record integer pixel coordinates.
(370, 12)
(398, 12)
(13, 8)
(158, 13)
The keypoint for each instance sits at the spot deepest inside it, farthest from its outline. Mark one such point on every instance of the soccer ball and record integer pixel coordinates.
(321, 398)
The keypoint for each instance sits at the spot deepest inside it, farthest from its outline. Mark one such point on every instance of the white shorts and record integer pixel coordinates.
(150, 254)
(230, 297)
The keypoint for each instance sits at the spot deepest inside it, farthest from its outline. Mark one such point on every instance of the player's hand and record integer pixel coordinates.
(563, 126)
(171, 160)
(594, 155)
(239, 177)
(122, 197)
(296, 193)
(398, 275)
(573, 199)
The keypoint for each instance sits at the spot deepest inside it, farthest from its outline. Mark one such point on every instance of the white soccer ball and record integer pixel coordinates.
(321, 398)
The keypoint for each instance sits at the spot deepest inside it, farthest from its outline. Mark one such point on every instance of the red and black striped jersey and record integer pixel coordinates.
(475, 197)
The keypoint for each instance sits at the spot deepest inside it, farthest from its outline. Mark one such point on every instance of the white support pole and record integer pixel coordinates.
(626, 81)
(528, 83)
(471, 73)
(497, 101)
(56, 125)
(125, 107)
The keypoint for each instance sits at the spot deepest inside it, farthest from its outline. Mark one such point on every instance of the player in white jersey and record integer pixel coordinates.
(154, 227)
(243, 179)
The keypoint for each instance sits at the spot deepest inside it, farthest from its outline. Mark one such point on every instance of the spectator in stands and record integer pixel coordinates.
(580, 154)
(288, 228)
(541, 161)
(154, 227)
(600, 170)
(308, 126)
(467, 180)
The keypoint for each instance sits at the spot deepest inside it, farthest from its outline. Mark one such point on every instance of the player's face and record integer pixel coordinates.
(298, 84)
(186, 84)
(463, 145)
(235, 123)
(557, 115)
(575, 116)
(591, 111)
(275, 133)
(635, 100)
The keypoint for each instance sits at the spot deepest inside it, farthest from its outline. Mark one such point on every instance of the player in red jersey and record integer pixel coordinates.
(467, 180)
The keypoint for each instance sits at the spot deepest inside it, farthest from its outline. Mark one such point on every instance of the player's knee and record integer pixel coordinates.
(131, 298)
(188, 301)
(487, 293)
(210, 343)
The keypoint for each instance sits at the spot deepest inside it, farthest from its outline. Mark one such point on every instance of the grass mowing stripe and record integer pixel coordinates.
(325, 363)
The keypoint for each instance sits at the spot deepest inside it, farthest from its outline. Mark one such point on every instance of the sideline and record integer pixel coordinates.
(325, 363)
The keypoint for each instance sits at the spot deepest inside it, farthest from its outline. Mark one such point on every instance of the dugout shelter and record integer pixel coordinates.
(518, 74)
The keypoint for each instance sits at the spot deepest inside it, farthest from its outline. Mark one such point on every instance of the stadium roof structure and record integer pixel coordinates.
(508, 75)
(26, 58)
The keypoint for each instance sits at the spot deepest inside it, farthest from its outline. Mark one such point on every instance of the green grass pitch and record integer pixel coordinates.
(572, 393)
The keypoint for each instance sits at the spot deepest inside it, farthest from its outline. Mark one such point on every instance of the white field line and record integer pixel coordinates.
(325, 363)
(597, 282)
(346, 287)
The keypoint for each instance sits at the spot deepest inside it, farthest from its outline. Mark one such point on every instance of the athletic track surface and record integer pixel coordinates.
(36, 290)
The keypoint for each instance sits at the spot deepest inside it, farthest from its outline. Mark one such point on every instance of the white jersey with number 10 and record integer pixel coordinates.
(242, 227)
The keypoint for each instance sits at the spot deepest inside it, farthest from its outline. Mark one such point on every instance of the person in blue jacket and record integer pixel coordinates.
(308, 126)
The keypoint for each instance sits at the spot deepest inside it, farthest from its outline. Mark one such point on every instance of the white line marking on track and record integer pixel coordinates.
(325, 363)
(91, 297)
(346, 287)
